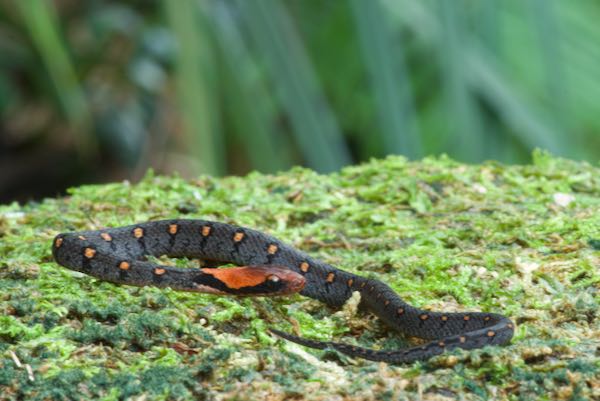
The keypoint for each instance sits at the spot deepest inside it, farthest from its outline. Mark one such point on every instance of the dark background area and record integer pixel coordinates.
(97, 91)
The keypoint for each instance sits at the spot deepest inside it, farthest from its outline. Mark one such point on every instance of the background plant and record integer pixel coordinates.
(102, 90)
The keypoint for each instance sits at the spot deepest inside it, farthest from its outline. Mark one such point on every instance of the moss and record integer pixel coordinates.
(521, 240)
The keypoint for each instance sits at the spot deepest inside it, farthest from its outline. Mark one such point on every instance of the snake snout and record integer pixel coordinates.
(290, 281)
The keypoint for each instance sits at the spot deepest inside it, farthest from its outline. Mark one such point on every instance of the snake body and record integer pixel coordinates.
(270, 268)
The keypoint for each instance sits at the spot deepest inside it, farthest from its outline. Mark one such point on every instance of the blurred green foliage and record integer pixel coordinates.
(226, 86)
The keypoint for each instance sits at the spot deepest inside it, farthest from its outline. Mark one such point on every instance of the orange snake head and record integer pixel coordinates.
(264, 280)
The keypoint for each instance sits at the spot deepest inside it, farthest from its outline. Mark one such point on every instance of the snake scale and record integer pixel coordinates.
(269, 267)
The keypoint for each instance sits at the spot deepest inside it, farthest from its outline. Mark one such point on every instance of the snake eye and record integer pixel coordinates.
(273, 278)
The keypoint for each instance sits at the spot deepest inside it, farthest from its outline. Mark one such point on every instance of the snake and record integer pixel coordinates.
(265, 266)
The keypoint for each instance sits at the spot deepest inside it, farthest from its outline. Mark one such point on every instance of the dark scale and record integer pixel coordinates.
(118, 255)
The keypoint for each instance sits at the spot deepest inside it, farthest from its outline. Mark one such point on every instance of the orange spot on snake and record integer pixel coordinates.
(487, 318)
(237, 237)
(124, 265)
(400, 311)
(462, 339)
(205, 231)
(424, 317)
(138, 232)
(467, 318)
(58, 242)
(350, 282)
(304, 266)
(173, 229)
(442, 344)
(491, 333)
(272, 249)
(106, 236)
(81, 237)
(89, 253)
(510, 326)
(444, 318)
(330, 277)
(159, 271)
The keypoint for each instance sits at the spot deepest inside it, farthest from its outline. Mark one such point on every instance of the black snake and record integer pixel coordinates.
(270, 267)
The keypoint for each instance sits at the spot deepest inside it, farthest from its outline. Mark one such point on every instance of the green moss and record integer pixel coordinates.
(520, 240)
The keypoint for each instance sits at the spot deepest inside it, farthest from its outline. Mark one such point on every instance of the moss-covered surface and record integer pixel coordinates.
(520, 240)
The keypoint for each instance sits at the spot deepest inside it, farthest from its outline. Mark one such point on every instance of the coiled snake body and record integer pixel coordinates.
(270, 267)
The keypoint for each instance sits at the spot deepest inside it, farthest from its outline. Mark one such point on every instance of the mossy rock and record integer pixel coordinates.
(519, 240)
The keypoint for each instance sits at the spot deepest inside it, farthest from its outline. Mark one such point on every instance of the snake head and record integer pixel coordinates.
(263, 280)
